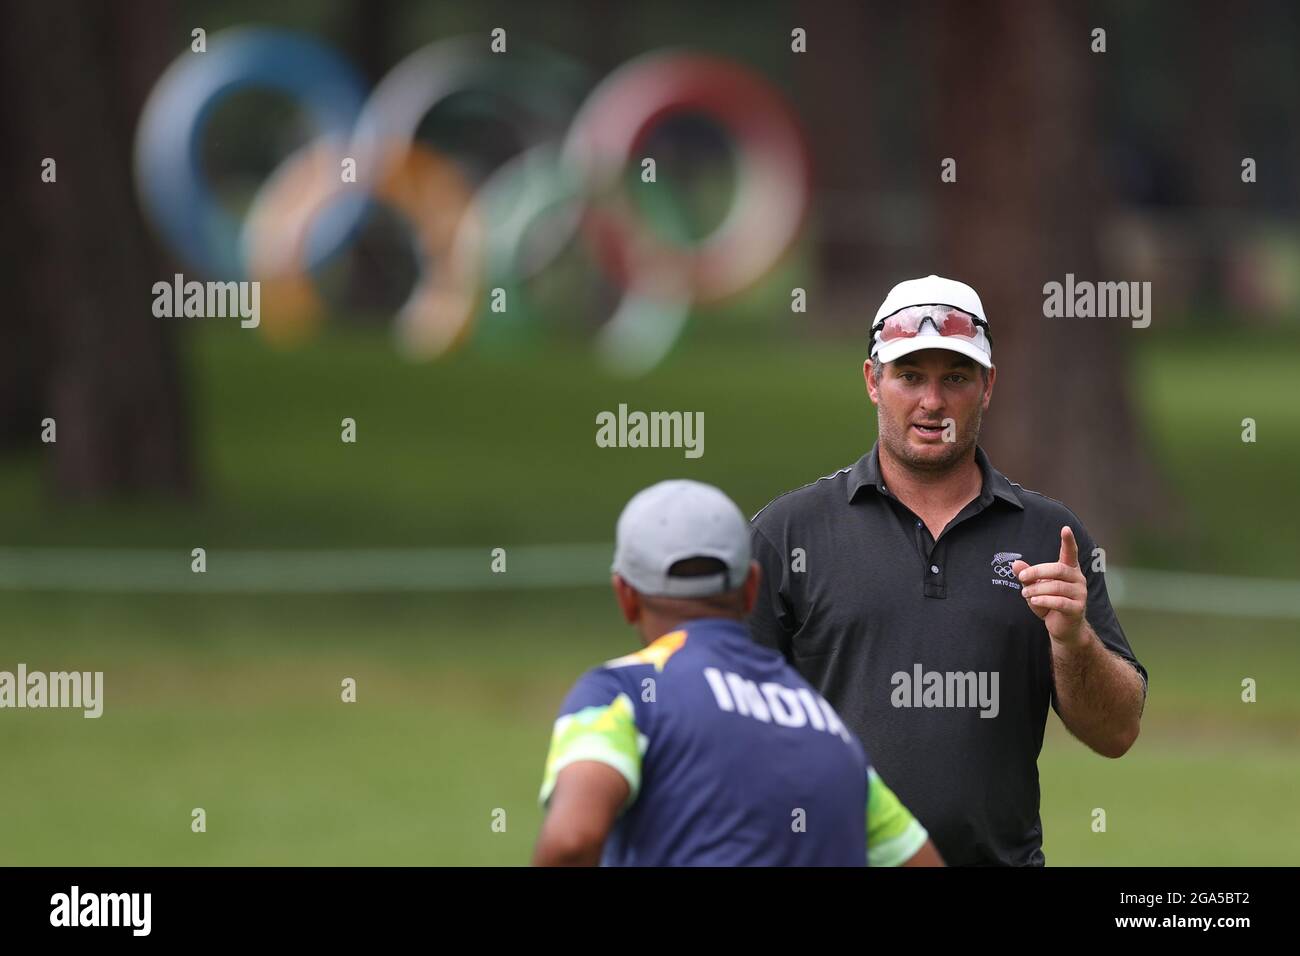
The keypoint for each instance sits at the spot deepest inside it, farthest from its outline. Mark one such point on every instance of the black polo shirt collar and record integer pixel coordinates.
(865, 473)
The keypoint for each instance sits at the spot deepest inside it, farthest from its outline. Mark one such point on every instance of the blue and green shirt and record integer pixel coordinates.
(731, 758)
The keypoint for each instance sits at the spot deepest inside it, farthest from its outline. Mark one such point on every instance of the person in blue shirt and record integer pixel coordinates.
(706, 748)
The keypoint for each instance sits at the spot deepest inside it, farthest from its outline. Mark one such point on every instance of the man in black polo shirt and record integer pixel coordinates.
(940, 607)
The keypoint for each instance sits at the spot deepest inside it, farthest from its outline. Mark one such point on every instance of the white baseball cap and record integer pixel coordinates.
(938, 291)
(675, 520)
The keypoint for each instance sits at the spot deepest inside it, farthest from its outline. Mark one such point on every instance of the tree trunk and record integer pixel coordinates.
(1014, 83)
(87, 350)
(836, 81)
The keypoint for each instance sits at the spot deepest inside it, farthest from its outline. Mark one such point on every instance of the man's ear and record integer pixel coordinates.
(873, 392)
(629, 602)
(988, 389)
(752, 581)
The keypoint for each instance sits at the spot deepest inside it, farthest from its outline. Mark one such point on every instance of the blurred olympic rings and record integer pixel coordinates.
(569, 174)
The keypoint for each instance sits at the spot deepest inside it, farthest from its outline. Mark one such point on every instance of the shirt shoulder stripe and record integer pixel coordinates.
(656, 653)
(893, 834)
(835, 474)
(606, 734)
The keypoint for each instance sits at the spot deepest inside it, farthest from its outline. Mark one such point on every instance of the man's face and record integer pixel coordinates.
(929, 405)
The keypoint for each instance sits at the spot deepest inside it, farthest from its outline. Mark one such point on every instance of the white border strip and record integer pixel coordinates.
(1215, 594)
(303, 572)
(528, 567)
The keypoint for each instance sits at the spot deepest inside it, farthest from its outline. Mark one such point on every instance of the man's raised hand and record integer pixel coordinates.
(1057, 592)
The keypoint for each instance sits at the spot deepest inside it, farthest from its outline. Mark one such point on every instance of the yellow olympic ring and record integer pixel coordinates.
(413, 180)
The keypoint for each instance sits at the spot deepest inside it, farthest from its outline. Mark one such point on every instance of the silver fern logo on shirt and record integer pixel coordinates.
(1002, 562)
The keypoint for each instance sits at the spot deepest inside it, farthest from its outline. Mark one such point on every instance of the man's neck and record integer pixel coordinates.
(653, 627)
(927, 492)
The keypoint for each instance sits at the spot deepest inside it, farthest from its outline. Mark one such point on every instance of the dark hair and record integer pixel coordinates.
(730, 601)
(697, 567)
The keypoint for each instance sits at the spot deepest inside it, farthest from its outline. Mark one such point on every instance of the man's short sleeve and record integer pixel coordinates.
(1100, 614)
(771, 622)
(597, 721)
(893, 835)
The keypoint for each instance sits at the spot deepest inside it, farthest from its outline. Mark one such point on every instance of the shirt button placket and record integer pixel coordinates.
(934, 574)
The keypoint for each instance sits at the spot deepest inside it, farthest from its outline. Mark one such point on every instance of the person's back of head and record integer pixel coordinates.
(682, 553)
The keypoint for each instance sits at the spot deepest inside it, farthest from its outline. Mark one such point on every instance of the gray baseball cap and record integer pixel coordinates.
(675, 520)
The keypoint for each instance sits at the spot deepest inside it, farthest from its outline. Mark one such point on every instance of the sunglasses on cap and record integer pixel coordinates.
(945, 319)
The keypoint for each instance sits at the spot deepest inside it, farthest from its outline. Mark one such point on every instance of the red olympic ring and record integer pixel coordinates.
(773, 182)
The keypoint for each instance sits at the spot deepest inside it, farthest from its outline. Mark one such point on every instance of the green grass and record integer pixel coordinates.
(484, 449)
(1212, 779)
(231, 703)
(1194, 392)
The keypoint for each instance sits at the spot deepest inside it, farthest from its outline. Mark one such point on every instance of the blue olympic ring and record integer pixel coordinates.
(168, 170)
